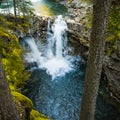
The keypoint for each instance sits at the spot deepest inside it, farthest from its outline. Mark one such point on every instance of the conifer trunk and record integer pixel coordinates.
(8, 109)
(14, 4)
(95, 58)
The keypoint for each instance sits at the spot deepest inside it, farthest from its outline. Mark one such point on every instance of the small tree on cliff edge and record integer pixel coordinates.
(95, 58)
(14, 4)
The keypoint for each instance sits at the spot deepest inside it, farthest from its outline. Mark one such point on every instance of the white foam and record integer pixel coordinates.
(55, 61)
(36, 1)
(57, 67)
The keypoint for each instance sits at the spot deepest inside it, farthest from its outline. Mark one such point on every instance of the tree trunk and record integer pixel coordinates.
(95, 58)
(8, 109)
(14, 4)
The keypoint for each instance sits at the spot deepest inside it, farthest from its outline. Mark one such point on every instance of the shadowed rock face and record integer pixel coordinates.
(112, 72)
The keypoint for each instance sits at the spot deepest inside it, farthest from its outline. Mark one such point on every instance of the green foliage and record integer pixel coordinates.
(35, 115)
(12, 88)
(6, 4)
(22, 23)
(12, 60)
(27, 104)
(88, 17)
(24, 7)
(2, 22)
(84, 1)
(114, 24)
(113, 38)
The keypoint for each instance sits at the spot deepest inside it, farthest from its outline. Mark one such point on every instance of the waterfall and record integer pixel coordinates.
(56, 62)
(35, 55)
(57, 38)
(59, 30)
(50, 40)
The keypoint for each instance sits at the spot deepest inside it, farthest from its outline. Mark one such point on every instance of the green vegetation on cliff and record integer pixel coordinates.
(25, 107)
(12, 55)
(114, 28)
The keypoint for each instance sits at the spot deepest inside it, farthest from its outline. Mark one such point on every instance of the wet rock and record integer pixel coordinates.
(39, 27)
(30, 65)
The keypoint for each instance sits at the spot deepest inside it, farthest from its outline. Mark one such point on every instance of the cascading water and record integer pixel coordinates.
(59, 28)
(56, 62)
(57, 40)
(35, 55)
(59, 99)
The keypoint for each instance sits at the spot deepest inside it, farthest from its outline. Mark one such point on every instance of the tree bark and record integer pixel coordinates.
(8, 109)
(95, 59)
(14, 4)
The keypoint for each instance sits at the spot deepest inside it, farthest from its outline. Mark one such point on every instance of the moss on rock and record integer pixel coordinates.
(35, 115)
(24, 105)
(25, 101)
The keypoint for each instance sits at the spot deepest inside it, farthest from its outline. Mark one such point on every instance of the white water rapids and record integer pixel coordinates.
(55, 59)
